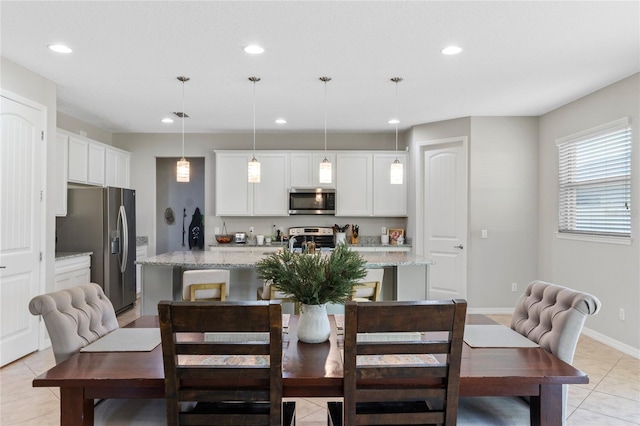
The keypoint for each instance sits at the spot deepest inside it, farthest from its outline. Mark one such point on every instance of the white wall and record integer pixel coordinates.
(609, 271)
(145, 148)
(74, 125)
(29, 85)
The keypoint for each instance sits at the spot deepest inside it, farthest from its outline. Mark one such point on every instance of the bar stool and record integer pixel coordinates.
(368, 289)
(269, 292)
(205, 284)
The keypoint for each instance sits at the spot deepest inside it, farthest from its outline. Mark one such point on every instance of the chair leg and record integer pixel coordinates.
(289, 413)
(334, 413)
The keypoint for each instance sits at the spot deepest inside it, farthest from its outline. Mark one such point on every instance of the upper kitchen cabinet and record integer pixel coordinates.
(60, 170)
(363, 186)
(235, 196)
(94, 163)
(354, 186)
(305, 168)
(117, 164)
(388, 199)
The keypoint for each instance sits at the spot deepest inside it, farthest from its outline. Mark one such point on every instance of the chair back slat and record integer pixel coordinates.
(407, 381)
(222, 374)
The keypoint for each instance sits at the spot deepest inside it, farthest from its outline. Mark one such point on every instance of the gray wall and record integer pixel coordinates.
(22, 82)
(74, 125)
(609, 271)
(177, 196)
(502, 198)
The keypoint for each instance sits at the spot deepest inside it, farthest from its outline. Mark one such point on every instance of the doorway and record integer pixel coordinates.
(444, 206)
(176, 203)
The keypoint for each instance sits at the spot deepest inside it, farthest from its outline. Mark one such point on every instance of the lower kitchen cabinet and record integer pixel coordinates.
(72, 271)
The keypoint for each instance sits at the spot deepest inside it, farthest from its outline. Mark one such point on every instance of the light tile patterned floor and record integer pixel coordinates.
(612, 397)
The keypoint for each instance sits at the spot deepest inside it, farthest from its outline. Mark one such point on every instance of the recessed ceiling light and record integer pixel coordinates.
(167, 120)
(394, 121)
(60, 48)
(451, 50)
(254, 49)
(281, 121)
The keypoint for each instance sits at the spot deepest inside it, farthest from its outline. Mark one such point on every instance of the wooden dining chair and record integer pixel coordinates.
(393, 379)
(223, 363)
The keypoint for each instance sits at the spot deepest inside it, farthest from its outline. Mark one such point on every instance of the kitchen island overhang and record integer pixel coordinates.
(406, 274)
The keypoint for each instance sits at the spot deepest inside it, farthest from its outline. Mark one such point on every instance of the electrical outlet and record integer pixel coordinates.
(621, 314)
(383, 230)
(217, 230)
(514, 287)
(251, 229)
(484, 233)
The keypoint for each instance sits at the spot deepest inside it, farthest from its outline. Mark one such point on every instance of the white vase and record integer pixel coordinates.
(313, 326)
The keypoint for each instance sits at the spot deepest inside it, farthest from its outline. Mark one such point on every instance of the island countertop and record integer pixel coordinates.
(230, 259)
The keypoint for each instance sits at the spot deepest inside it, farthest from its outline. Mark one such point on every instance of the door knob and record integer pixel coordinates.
(460, 246)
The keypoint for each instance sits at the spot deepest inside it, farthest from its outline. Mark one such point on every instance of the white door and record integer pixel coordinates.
(21, 165)
(445, 218)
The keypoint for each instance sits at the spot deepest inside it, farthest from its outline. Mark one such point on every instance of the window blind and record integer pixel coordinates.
(595, 181)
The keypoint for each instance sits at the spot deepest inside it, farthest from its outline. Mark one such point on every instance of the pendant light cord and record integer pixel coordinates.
(183, 114)
(397, 120)
(254, 119)
(325, 118)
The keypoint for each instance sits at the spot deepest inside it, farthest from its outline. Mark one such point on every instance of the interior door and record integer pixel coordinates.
(445, 218)
(21, 165)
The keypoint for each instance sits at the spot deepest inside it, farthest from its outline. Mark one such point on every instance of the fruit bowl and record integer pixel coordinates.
(224, 238)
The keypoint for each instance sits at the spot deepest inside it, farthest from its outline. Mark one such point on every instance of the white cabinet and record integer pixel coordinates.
(141, 254)
(72, 271)
(388, 200)
(363, 185)
(305, 167)
(94, 163)
(235, 196)
(117, 163)
(354, 188)
(60, 169)
(78, 159)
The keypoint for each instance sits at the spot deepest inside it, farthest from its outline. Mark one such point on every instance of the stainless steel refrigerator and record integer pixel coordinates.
(103, 221)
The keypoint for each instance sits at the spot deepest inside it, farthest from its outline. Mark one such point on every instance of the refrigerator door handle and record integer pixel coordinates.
(122, 217)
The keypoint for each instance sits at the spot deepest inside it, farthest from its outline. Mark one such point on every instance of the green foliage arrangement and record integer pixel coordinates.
(314, 279)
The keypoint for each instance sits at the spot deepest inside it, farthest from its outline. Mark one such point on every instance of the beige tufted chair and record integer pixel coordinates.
(74, 317)
(552, 316)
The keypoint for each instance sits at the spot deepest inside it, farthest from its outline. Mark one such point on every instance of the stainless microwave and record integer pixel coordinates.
(312, 201)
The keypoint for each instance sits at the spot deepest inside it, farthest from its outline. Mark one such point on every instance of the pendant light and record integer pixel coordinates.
(396, 173)
(254, 165)
(325, 165)
(182, 169)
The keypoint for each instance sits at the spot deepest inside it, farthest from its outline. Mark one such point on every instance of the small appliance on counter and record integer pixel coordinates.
(240, 238)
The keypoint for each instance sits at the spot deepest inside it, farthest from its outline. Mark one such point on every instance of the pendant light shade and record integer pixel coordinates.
(396, 173)
(182, 167)
(325, 165)
(254, 165)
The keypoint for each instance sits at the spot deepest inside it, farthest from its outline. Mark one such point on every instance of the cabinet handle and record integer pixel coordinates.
(460, 246)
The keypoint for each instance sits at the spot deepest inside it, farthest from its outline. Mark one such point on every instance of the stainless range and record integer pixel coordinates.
(322, 236)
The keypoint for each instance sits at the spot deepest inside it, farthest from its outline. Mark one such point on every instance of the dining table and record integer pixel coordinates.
(312, 370)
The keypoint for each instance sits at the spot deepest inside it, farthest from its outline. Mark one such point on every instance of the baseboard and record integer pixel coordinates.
(615, 344)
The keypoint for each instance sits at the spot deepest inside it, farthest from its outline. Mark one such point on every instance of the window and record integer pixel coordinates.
(595, 181)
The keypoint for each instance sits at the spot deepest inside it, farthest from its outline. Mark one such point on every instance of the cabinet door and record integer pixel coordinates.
(354, 189)
(270, 196)
(388, 200)
(116, 168)
(96, 163)
(60, 183)
(301, 167)
(78, 157)
(234, 194)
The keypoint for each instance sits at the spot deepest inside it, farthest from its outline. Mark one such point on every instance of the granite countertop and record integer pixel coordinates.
(62, 255)
(234, 259)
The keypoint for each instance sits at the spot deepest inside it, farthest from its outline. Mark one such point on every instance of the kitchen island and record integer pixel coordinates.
(406, 275)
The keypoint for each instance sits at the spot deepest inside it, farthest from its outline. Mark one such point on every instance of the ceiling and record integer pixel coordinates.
(518, 58)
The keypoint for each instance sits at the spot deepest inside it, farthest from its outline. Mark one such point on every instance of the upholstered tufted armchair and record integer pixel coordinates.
(74, 317)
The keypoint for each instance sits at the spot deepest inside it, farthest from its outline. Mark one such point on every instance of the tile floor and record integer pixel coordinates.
(612, 397)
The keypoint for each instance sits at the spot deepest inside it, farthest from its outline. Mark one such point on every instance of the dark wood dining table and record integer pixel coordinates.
(311, 370)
